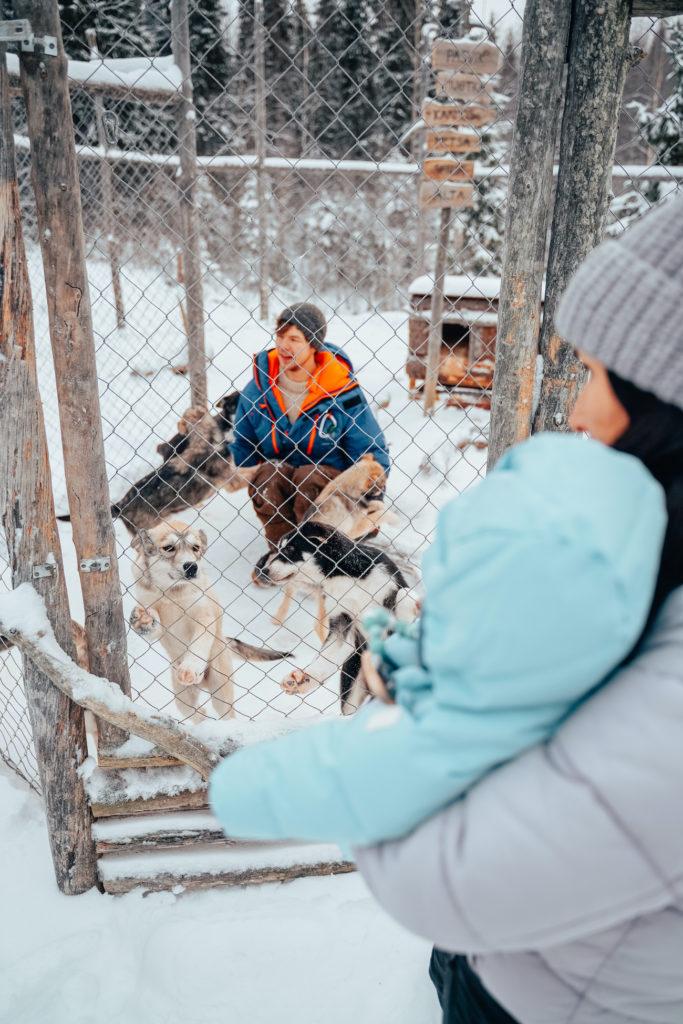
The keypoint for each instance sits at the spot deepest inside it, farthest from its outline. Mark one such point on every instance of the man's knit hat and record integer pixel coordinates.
(624, 305)
(308, 318)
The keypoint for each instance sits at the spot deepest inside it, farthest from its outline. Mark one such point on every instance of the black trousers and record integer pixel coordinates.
(463, 998)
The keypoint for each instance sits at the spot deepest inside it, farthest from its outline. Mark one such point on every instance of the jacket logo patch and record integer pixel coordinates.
(329, 426)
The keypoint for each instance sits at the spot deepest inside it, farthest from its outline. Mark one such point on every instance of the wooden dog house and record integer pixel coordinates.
(468, 335)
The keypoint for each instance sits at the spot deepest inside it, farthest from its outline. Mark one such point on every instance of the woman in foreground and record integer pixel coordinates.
(554, 889)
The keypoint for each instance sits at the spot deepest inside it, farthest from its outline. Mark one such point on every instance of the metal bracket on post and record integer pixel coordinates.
(100, 564)
(45, 571)
(19, 31)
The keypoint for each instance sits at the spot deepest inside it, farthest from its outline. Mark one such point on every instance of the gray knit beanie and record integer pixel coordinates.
(624, 305)
(308, 318)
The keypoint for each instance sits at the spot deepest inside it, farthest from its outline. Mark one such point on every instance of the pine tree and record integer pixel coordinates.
(451, 18)
(243, 81)
(210, 72)
(303, 87)
(659, 121)
(662, 128)
(399, 64)
(326, 74)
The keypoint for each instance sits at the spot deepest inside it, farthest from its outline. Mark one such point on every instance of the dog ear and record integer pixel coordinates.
(203, 540)
(143, 542)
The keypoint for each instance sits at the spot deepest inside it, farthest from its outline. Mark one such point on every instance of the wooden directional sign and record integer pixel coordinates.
(465, 55)
(438, 115)
(434, 195)
(446, 168)
(462, 87)
(448, 140)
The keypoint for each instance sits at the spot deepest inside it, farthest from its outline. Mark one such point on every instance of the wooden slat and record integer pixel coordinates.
(253, 876)
(185, 801)
(166, 841)
(656, 8)
(156, 758)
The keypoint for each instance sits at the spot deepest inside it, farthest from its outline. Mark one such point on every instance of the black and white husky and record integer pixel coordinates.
(353, 576)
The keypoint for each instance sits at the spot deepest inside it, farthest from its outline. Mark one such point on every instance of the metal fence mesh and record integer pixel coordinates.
(327, 132)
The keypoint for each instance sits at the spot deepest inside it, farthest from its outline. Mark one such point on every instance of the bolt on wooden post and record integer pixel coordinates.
(28, 520)
(54, 174)
(448, 179)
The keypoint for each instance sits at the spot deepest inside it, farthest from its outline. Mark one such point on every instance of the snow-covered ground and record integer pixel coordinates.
(141, 400)
(314, 951)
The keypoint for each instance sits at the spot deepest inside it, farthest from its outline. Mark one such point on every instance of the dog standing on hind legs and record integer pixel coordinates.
(178, 608)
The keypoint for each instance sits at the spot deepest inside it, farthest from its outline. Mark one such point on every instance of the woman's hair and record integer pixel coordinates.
(309, 320)
(655, 436)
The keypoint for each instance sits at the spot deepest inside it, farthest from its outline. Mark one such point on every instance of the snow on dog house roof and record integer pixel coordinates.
(459, 286)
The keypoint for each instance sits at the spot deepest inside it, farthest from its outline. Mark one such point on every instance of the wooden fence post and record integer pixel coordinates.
(187, 150)
(261, 173)
(436, 316)
(107, 187)
(598, 61)
(28, 519)
(54, 174)
(529, 201)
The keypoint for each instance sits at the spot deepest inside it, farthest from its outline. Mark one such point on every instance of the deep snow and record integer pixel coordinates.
(314, 951)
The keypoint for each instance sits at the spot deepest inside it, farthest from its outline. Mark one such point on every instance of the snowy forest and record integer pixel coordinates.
(345, 80)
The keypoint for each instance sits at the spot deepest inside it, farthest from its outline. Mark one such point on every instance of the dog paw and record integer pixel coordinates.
(144, 622)
(298, 682)
(185, 675)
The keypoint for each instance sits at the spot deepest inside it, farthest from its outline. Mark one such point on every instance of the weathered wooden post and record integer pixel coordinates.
(186, 117)
(261, 174)
(529, 201)
(434, 341)
(28, 520)
(107, 186)
(598, 60)
(54, 174)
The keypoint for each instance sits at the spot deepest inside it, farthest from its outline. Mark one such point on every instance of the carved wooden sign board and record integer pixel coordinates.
(459, 86)
(447, 168)
(450, 115)
(449, 140)
(465, 55)
(435, 195)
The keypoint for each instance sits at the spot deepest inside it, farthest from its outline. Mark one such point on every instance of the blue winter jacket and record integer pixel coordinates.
(335, 425)
(538, 584)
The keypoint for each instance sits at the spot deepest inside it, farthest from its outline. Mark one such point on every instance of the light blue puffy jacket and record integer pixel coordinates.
(538, 584)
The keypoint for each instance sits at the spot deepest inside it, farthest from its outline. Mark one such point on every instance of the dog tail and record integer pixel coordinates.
(251, 653)
(115, 514)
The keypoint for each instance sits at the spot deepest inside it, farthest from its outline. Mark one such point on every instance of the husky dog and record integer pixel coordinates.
(353, 504)
(353, 576)
(197, 462)
(178, 608)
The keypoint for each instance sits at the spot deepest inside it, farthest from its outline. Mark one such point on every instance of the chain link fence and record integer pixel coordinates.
(310, 146)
